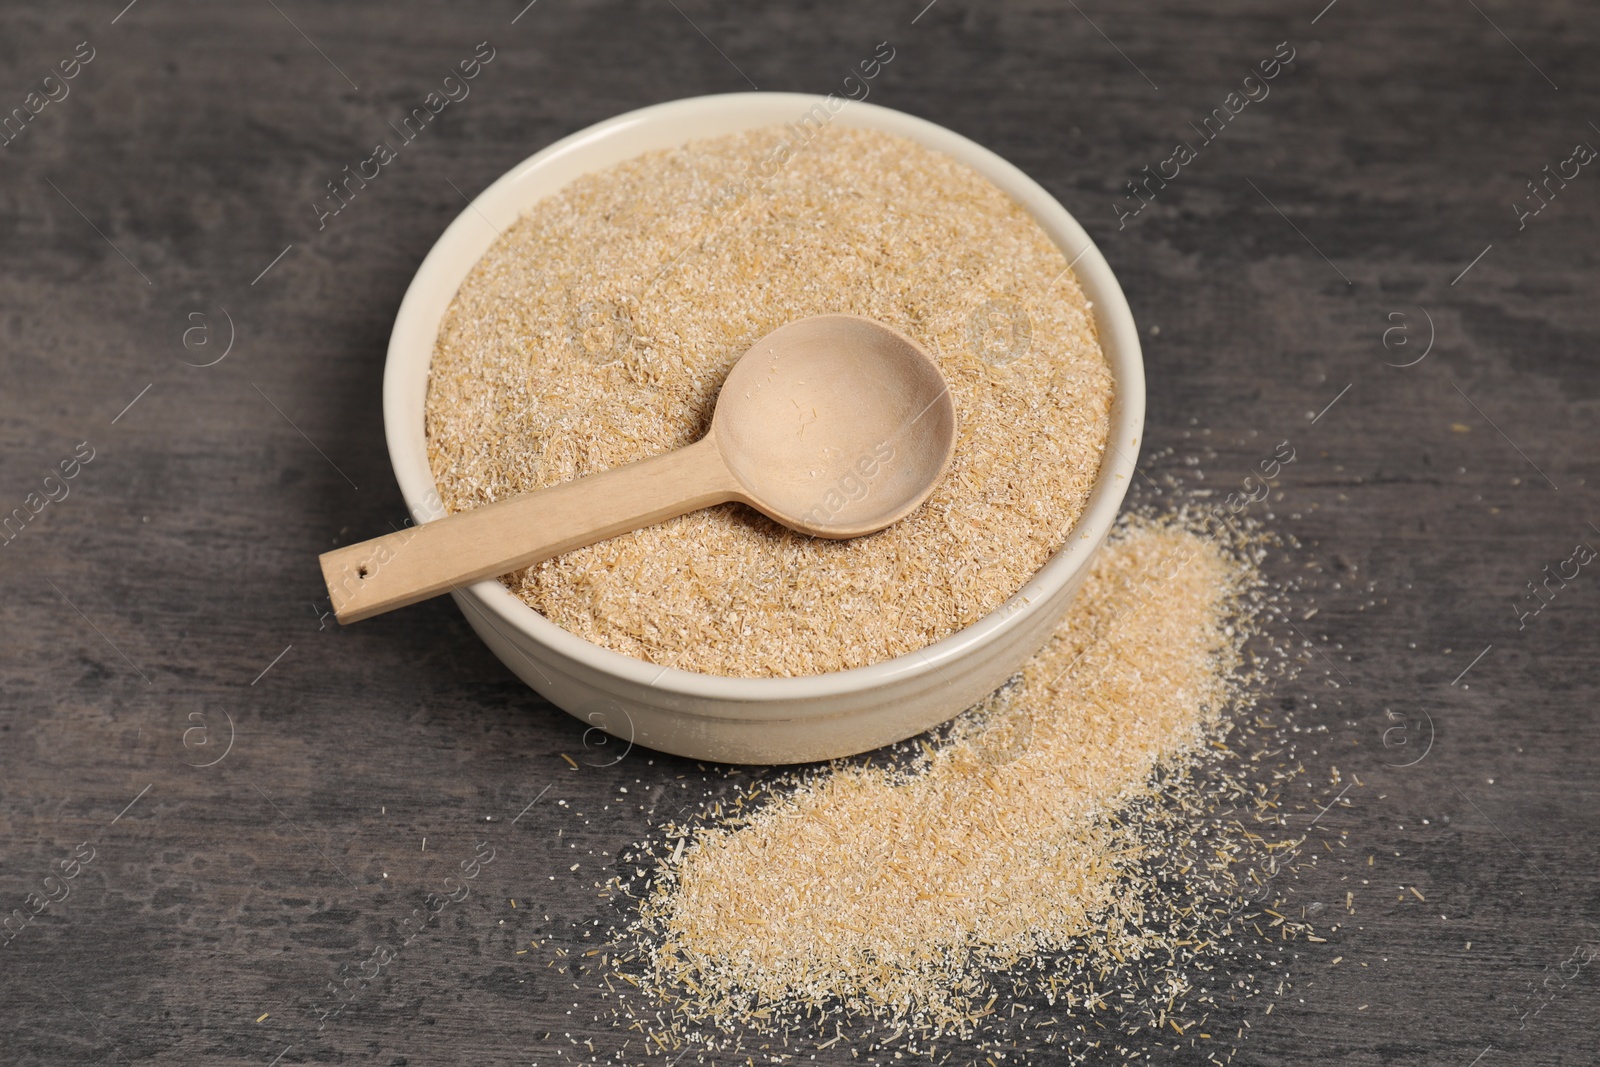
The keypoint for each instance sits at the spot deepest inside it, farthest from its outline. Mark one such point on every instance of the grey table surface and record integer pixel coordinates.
(1345, 266)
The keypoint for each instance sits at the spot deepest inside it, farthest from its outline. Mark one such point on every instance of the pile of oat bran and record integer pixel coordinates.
(896, 894)
(599, 328)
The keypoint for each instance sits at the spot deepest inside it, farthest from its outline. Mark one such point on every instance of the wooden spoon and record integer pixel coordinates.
(835, 426)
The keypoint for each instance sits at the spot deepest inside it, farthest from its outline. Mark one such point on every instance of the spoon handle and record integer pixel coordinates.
(402, 568)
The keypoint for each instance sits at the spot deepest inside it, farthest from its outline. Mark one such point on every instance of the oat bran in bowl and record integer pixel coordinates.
(581, 314)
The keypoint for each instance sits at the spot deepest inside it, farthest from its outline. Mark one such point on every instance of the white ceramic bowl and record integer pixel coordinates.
(755, 720)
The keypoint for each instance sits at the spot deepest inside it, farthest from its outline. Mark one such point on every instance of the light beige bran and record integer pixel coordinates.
(893, 892)
(597, 330)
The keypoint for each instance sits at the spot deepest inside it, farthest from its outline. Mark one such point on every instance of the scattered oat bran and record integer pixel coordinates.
(1213, 856)
(598, 328)
(891, 892)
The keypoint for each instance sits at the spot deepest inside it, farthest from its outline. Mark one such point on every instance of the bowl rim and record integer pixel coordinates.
(406, 437)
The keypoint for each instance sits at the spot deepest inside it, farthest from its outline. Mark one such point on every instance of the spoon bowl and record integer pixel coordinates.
(834, 425)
